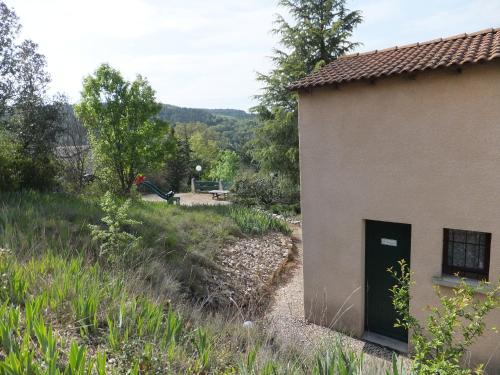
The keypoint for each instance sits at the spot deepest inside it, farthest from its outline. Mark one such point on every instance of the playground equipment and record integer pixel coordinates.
(169, 197)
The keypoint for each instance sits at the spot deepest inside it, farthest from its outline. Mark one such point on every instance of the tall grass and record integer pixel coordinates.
(181, 241)
(64, 312)
(257, 222)
(128, 331)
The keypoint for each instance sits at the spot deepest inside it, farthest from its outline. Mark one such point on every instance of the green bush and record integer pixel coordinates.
(450, 329)
(39, 173)
(9, 163)
(21, 171)
(267, 191)
(115, 242)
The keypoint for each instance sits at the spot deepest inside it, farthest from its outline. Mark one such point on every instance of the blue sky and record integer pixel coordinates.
(201, 53)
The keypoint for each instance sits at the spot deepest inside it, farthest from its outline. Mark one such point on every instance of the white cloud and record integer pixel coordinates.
(394, 22)
(205, 53)
(195, 53)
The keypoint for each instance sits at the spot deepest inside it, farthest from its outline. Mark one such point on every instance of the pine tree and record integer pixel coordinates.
(179, 168)
(320, 33)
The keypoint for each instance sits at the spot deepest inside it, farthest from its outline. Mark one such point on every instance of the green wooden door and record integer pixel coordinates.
(386, 244)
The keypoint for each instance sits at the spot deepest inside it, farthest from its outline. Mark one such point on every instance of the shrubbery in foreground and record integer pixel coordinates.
(450, 329)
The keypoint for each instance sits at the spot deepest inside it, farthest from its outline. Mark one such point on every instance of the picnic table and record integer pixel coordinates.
(216, 194)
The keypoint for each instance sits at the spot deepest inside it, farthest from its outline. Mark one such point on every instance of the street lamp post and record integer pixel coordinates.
(193, 185)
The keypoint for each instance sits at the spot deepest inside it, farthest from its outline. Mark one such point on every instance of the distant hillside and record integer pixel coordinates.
(174, 114)
(236, 127)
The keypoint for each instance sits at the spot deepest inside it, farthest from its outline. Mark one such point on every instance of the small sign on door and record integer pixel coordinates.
(389, 242)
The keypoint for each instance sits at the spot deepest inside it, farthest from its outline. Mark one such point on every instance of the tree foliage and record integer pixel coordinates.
(320, 33)
(226, 166)
(125, 137)
(9, 163)
(281, 156)
(9, 29)
(205, 149)
(180, 168)
(28, 117)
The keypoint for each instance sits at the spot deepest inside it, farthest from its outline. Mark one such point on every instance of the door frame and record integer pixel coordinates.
(401, 346)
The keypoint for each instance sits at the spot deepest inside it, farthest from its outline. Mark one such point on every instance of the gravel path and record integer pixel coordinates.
(189, 199)
(286, 319)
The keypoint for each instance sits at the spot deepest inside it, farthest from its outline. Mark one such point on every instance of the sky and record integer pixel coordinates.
(205, 53)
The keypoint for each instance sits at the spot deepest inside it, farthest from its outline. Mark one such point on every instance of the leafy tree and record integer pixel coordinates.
(23, 75)
(204, 151)
(9, 28)
(9, 163)
(36, 127)
(236, 133)
(226, 167)
(125, 137)
(180, 167)
(319, 34)
(27, 116)
(283, 156)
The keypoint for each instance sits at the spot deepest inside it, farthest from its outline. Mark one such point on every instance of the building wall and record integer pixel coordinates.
(423, 151)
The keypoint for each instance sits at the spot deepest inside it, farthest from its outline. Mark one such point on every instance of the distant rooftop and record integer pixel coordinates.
(444, 52)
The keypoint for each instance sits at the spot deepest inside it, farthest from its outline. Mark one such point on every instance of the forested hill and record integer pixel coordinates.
(210, 117)
(229, 128)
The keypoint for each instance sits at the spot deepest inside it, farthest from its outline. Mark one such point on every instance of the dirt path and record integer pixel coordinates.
(286, 318)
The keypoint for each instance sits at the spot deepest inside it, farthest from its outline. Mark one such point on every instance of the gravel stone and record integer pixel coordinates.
(249, 267)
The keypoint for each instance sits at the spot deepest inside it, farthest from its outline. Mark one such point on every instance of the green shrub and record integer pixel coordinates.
(40, 173)
(450, 329)
(9, 163)
(115, 242)
(19, 170)
(267, 191)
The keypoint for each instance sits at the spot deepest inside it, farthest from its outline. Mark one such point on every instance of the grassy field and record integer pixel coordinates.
(64, 310)
(179, 241)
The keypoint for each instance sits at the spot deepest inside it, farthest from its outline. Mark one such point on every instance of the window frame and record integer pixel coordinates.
(467, 272)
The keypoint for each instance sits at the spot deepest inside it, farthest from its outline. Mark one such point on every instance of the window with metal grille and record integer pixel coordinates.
(466, 253)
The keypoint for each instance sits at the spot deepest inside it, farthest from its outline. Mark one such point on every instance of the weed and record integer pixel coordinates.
(114, 241)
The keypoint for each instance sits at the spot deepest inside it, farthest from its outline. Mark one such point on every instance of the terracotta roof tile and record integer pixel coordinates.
(453, 51)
